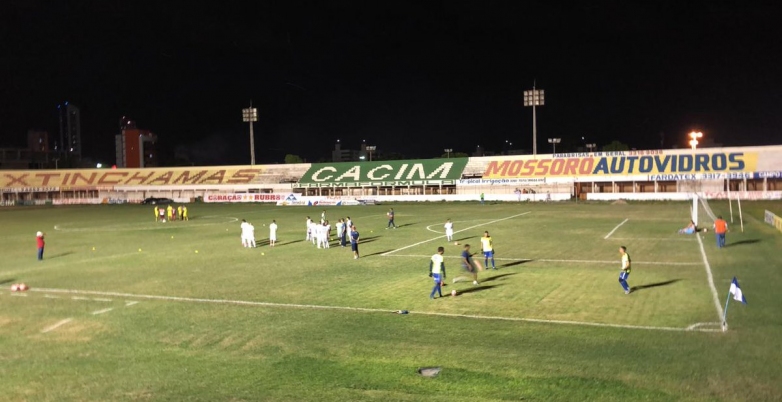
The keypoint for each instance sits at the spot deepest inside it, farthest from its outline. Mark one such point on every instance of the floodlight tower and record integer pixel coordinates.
(534, 98)
(694, 139)
(554, 142)
(250, 115)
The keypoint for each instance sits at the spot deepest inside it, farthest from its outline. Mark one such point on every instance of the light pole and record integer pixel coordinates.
(591, 147)
(448, 152)
(554, 142)
(694, 141)
(250, 115)
(371, 148)
(534, 98)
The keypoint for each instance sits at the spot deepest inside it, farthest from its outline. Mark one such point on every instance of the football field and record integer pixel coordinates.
(126, 308)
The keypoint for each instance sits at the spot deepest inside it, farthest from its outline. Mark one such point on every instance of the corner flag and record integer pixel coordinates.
(735, 290)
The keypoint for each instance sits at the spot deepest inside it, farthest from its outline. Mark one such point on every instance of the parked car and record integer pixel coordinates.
(155, 201)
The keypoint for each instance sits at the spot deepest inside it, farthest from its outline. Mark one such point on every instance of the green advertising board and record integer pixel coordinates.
(385, 173)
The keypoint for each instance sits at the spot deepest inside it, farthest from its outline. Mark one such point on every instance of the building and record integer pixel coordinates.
(70, 130)
(135, 148)
(343, 155)
(37, 141)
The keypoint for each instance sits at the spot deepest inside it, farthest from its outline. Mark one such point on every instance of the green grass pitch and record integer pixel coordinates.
(124, 309)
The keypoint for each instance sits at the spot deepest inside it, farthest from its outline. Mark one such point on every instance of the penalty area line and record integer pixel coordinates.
(362, 309)
(617, 227)
(455, 232)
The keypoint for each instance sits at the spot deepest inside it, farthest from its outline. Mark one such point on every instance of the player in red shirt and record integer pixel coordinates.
(41, 243)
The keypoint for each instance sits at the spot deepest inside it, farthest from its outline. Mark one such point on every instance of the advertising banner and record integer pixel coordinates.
(245, 197)
(65, 179)
(384, 173)
(773, 220)
(654, 165)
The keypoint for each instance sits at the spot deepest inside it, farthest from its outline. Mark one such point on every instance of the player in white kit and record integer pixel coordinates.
(273, 233)
(448, 230)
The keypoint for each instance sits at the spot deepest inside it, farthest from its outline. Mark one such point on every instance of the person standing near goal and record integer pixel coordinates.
(273, 233)
(625, 272)
(448, 230)
(720, 228)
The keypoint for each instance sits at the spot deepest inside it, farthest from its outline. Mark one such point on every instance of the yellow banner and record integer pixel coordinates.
(622, 164)
(80, 178)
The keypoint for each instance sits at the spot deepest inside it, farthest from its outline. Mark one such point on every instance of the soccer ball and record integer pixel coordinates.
(453, 293)
(23, 287)
(164, 221)
(14, 288)
(456, 243)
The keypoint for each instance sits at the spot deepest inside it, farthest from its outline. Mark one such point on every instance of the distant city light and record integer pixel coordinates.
(100, 165)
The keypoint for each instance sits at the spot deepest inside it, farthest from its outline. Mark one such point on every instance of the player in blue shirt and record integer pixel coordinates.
(390, 216)
(354, 236)
(468, 265)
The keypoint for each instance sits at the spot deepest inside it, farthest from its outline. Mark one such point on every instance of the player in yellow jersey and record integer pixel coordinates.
(625, 269)
(179, 212)
(170, 213)
(437, 272)
(184, 214)
(157, 213)
(488, 250)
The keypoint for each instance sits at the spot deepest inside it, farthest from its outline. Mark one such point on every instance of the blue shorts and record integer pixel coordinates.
(623, 275)
(354, 246)
(488, 254)
(437, 278)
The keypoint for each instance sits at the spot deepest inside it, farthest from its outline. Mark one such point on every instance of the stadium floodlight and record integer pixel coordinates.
(694, 139)
(534, 98)
(250, 115)
(448, 152)
(591, 147)
(554, 142)
(371, 149)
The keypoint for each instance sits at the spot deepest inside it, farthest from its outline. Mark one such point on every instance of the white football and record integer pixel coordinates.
(14, 287)
(23, 287)
(453, 293)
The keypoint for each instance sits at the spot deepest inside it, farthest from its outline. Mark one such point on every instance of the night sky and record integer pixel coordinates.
(410, 77)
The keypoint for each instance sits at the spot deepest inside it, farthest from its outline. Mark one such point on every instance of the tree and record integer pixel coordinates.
(290, 158)
(615, 146)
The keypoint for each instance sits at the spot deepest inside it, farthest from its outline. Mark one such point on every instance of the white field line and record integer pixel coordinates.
(56, 325)
(19, 294)
(651, 238)
(455, 232)
(617, 227)
(130, 303)
(710, 277)
(553, 260)
(51, 297)
(105, 310)
(705, 324)
(101, 300)
(80, 298)
(357, 309)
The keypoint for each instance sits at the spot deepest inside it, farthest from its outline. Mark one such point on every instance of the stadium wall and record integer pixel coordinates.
(746, 172)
